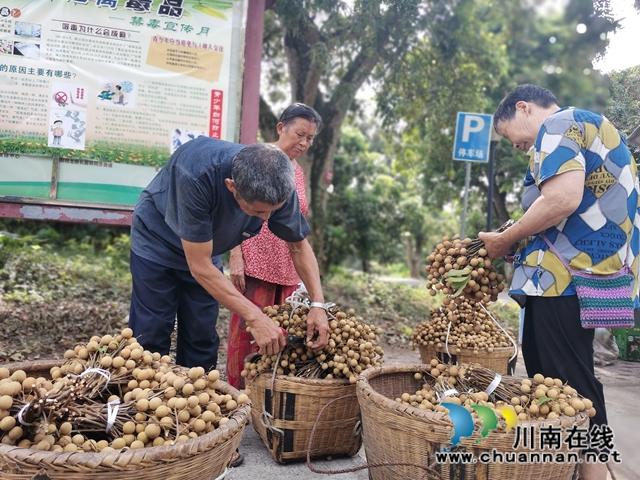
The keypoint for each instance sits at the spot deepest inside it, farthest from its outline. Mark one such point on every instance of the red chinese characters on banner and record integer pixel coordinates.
(215, 115)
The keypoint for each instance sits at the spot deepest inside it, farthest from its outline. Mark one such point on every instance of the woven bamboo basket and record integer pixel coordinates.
(285, 419)
(204, 457)
(397, 433)
(497, 360)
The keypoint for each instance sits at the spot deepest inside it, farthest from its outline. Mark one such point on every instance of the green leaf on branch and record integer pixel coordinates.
(459, 291)
(459, 284)
(544, 399)
(457, 273)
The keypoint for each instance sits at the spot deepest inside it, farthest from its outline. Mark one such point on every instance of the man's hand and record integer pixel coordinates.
(268, 336)
(307, 268)
(317, 328)
(237, 269)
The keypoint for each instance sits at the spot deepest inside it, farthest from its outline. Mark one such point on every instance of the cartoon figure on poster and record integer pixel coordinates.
(69, 96)
(116, 93)
(179, 137)
(67, 129)
(57, 131)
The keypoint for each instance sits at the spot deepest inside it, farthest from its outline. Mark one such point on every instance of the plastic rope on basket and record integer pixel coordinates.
(300, 298)
(515, 345)
(605, 301)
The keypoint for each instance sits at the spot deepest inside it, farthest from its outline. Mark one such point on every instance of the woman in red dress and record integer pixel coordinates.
(261, 267)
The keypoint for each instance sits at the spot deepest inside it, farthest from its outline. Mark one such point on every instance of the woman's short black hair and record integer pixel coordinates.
(300, 110)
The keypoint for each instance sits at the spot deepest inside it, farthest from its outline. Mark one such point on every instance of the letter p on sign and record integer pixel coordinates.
(473, 137)
(472, 124)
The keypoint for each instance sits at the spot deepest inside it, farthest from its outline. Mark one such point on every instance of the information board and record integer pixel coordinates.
(96, 94)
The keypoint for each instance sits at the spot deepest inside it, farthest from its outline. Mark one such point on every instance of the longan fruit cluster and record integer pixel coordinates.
(351, 348)
(461, 267)
(440, 378)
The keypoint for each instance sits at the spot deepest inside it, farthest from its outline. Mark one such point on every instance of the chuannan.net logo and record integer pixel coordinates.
(462, 419)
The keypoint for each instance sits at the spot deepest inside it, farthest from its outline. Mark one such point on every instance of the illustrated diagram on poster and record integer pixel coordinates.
(180, 136)
(68, 116)
(115, 92)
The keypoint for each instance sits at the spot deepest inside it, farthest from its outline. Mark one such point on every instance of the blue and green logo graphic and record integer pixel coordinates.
(463, 421)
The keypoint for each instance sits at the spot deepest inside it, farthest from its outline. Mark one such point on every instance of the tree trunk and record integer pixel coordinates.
(413, 260)
(317, 80)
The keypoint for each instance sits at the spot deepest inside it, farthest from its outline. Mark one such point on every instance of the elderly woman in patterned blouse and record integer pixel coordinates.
(261, 267)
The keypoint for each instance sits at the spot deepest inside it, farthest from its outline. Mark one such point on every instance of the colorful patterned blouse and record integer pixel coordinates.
(266, 257)
(604, 231)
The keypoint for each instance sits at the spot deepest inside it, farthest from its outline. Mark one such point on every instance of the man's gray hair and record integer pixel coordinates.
(262, 173)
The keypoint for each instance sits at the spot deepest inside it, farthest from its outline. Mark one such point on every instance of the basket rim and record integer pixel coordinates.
(303, 380)
(365, 391)
(195, 445)
(480, 350)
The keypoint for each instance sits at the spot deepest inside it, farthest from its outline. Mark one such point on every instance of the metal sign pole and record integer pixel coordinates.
(472, 144)
(467, 180)
(492, 156)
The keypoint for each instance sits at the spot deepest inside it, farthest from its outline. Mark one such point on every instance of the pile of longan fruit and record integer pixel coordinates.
(352, 347)
(539, 398)
(143, 398)
(468, 326)
(545, 397)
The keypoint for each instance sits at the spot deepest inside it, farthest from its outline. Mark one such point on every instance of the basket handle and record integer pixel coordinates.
(515, 346)
(429, 471)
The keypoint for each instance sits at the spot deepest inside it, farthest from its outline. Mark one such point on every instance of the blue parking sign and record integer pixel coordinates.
(473, 137)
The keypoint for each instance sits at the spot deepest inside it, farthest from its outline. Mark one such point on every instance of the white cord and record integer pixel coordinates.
(446, 393)
(515, 346)
(275, 370)
(300, 298)
(112, 413)
(224, 474)
(446, 340)
(494, 384)
(100, 371)
(27, 405)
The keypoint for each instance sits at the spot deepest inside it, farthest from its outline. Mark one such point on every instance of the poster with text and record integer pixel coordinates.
(117, 81)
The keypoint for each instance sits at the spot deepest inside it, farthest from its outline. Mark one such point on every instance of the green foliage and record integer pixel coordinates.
(476, 53)
(624, 112)
(329, 49)
(59, 234)
(362, 209)
(33, 271)
(374, 213)
(394, 306)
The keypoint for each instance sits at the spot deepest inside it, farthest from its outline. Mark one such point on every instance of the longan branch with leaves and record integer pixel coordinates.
(461, 267)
